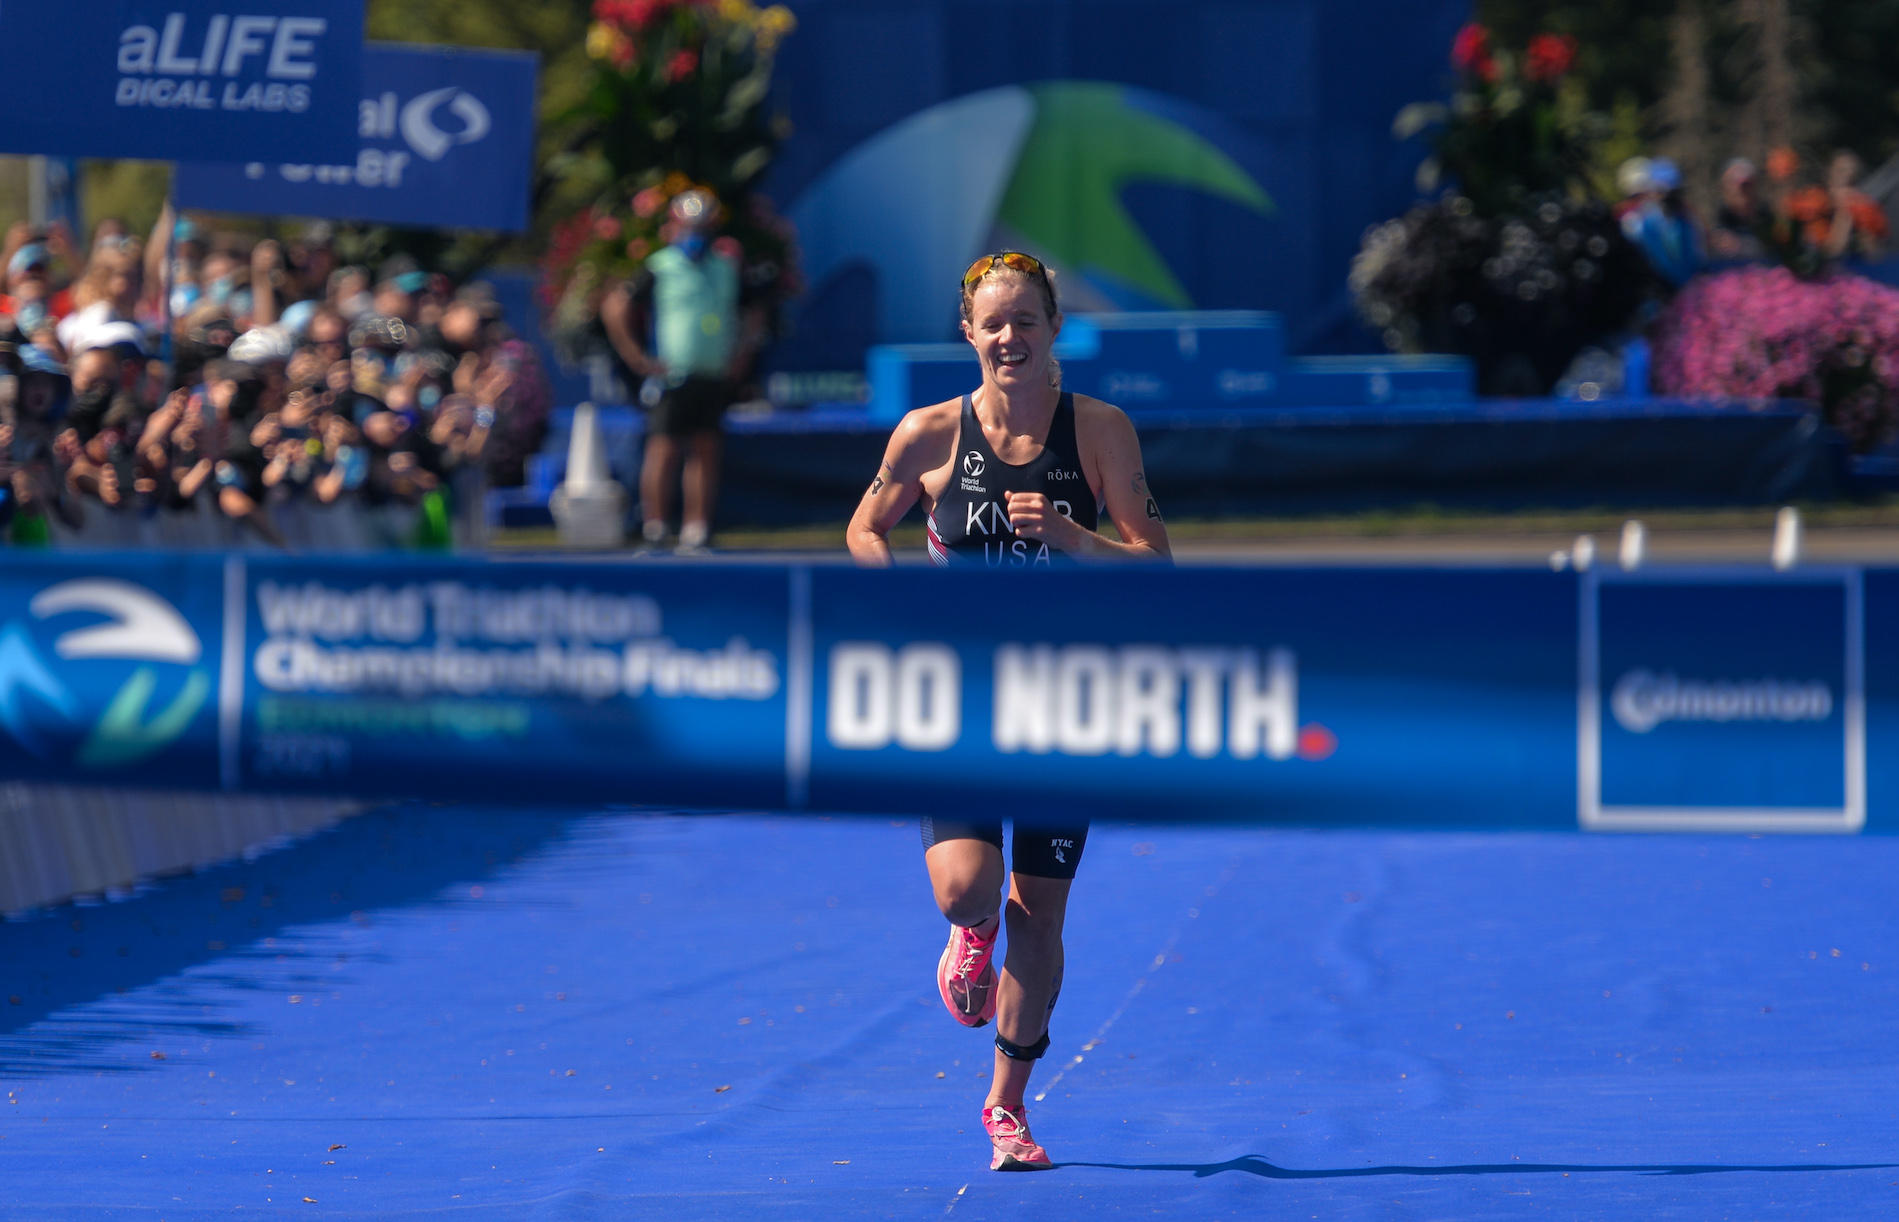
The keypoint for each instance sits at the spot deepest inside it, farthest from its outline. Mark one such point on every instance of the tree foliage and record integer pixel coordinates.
(1845, 54)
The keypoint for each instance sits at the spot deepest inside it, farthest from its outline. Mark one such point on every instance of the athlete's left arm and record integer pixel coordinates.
(1111, 460)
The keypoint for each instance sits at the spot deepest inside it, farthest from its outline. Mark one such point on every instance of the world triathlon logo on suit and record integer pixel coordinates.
(1080, 700)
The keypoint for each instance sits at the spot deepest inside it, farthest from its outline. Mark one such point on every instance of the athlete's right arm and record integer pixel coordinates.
(920, 445)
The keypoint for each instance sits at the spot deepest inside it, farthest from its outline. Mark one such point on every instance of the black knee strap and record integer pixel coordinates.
(1020, 1052)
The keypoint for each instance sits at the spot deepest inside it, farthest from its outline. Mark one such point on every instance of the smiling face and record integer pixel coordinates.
(1010, 328)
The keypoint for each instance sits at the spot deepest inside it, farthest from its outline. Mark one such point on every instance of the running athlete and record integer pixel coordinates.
(1014, 475)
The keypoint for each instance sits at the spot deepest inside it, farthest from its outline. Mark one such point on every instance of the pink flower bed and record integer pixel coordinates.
(1759, 332)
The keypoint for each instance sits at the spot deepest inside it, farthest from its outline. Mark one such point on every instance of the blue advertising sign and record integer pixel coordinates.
(519, 681)
(170, 79)
(1722, 701)
(445, 137)
(1310, 697)
(109, 671)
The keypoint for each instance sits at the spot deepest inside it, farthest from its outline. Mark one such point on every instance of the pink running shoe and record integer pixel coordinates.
(1009, 1134)
(965, 977)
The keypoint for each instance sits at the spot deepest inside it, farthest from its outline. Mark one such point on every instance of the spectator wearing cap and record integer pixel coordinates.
(703, 343)
(30, 421)
(398, 282)
(29, 282)
(1662, 226)
(51, 248)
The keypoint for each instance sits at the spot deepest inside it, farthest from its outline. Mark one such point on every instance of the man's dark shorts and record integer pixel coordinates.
(1040, 852)
(696, 405)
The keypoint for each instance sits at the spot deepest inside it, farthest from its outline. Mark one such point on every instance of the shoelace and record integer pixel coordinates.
(972, 951)
(1021, 1130)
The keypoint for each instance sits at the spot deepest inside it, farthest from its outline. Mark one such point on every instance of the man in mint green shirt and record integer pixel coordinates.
(703, 342)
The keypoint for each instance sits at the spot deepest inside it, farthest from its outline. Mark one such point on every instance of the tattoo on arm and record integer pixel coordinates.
(877, 485)
(1140, 483)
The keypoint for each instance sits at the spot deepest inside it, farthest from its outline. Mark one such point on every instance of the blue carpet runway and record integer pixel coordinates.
(463, 1013)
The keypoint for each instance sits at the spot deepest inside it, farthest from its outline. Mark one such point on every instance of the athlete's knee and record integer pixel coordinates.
(966, 901)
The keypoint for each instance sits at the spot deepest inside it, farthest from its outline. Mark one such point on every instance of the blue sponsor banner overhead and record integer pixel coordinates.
(445, 137)
(1427, 698)
(170, 79)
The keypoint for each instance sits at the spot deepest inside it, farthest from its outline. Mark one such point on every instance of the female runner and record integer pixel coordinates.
(1014, 475)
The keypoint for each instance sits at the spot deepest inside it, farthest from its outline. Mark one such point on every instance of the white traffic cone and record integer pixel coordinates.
(589, 506)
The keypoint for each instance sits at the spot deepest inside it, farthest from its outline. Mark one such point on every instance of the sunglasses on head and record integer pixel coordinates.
(1015, 260)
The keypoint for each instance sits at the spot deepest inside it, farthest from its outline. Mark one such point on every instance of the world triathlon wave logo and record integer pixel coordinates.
(43, 705)
(1040, 168)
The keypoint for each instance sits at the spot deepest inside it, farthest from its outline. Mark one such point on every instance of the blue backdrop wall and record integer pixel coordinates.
(1182, 154)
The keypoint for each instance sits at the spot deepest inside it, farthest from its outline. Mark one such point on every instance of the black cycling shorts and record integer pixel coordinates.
(1040, 852)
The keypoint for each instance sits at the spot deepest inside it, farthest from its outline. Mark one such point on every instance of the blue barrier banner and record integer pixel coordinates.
(108, 672)
(1306, 697)
(445, 137)
(170, 79)
(1657, 700)
(1722, 701)
(545, 682)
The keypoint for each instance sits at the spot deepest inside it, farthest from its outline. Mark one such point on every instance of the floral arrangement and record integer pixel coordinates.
(1520, 296)
(677, 103)
(1762, 332)
(1509, 134)
(1515, 266)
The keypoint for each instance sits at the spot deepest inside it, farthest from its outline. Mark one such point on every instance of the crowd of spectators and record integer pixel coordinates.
(1825, 221)
(205, 388)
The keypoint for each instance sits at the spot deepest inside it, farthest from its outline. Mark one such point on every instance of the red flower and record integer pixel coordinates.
(1470, 53)
(630, 15)
(683, 65)
(1549, 57)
